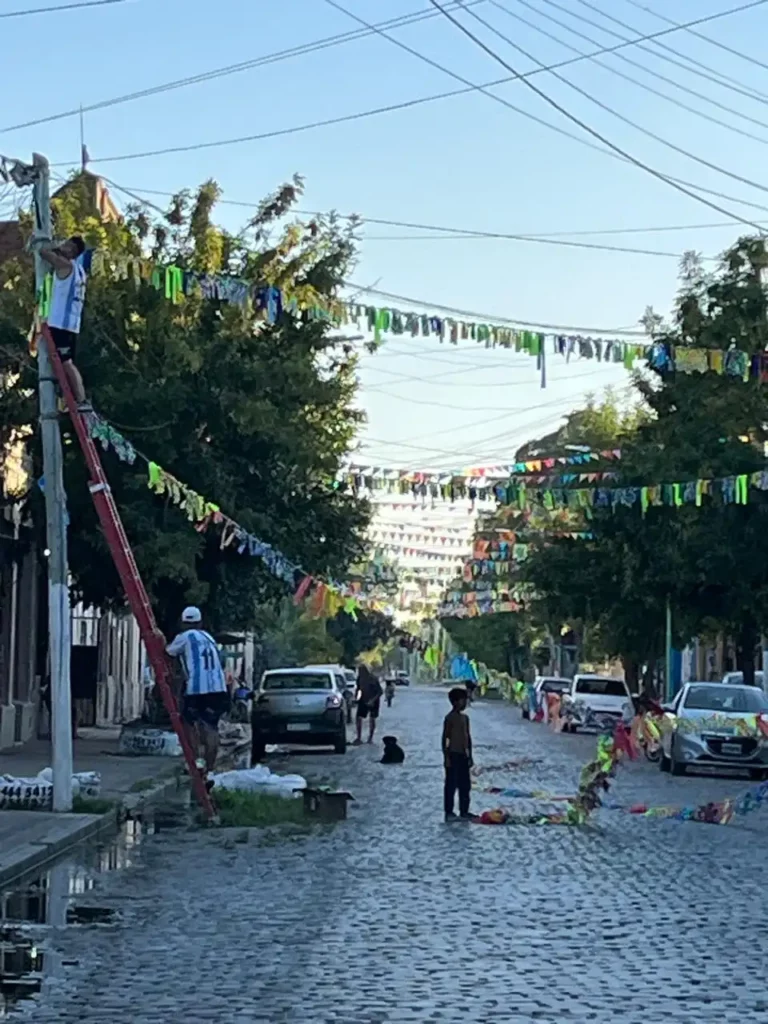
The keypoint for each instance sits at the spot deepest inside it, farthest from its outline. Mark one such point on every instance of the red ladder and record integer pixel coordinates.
(122, 555)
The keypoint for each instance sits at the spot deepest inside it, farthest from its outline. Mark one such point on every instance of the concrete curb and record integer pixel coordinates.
(73, 829)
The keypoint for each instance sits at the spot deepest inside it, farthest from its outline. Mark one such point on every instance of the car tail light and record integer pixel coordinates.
(334, 701)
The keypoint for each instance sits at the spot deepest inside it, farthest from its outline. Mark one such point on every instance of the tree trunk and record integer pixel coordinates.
(649, 681)
(631, 674)
(745, 652)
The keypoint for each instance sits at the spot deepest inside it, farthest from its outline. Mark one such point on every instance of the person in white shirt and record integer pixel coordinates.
(206, 697)
(66, 310)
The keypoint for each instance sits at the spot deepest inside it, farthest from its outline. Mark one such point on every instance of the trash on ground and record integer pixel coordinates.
(139, 739)
(37, 793)
(260, 779)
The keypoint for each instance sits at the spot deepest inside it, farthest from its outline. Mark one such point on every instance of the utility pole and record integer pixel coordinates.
(59, 640)
(668, 652)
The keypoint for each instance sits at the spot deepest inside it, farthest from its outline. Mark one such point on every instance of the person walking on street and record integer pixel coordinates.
(457, 755)
(368, 703)
(206, 697)
(389, 691)
(66, 311)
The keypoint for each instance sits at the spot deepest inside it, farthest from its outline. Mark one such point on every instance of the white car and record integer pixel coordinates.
(708, 729)
(596, 702)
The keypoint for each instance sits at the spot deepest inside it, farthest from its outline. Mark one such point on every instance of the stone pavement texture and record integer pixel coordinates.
(393, 916)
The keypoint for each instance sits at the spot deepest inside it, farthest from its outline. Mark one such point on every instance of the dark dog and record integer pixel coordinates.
(393, 752)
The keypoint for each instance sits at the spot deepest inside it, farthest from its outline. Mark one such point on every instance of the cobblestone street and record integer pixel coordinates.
(394, 916)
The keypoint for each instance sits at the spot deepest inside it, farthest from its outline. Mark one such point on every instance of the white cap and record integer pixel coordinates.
(191, 614)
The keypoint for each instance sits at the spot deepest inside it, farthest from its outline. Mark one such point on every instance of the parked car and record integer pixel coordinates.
(303, 706)
(716, 742)
(346, 679)
(542, 685)
(596, 702)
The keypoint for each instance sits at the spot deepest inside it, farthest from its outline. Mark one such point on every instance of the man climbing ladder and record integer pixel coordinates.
(66, 307)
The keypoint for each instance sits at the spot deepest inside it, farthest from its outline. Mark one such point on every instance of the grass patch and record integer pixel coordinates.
(142, 785)
(238, 808)
(91, 805)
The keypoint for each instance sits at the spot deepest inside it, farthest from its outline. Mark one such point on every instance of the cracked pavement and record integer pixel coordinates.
(393, 916)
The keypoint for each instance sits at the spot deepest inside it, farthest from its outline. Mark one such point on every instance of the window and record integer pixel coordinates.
(298, 681)
(555, 686)
(726, 699)
(601, 687)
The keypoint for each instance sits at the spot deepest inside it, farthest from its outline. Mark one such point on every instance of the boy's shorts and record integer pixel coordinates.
(65, 342)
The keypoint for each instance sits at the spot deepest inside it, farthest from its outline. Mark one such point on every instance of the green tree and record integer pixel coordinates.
(709, 560)
(254, 416)
(359, 633)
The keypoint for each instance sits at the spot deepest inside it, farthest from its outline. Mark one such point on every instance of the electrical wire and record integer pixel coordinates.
(463, 408)
(422, 380)
(587, 128)
(700, 35)
(462, 232)
(230, 69)
(629, 78)
(688, 64)
(416, 102)
(62, 7)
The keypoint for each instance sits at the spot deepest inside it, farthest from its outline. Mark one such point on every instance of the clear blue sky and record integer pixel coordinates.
(465, 162)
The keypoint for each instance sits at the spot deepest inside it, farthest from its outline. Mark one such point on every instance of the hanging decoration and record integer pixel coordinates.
(322, 597)
(731, 490)
(537, 465)
(731, 362)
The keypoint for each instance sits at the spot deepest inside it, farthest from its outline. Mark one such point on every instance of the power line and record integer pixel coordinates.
(688, 64)
(230, 69)
(428, 60)
(700, 35)
(642, 67)
(582, 124)
(460, 232)
(428, 99)
(62, 7)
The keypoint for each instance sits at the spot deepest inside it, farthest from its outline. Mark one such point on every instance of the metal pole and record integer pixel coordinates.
(668, 652)
(55, 513)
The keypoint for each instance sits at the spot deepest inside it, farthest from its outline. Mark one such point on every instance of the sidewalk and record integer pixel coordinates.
(31, 838)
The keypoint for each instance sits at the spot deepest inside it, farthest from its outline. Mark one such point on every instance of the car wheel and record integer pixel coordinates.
(340, 746)
(664, 762)
(758, 774)
(258, 751)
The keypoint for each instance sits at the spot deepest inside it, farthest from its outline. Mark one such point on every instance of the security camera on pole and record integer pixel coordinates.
(55, 517)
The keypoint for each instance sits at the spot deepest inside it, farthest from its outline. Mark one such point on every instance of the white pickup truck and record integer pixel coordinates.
(596, 702)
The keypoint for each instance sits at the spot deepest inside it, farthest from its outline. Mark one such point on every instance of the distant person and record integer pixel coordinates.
(457, 755)
(66, 309)
(368, 703)
(206, 697)
(389, 691)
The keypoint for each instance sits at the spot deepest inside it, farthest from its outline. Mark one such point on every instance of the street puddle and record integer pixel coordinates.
(21, 968)
(56, 898)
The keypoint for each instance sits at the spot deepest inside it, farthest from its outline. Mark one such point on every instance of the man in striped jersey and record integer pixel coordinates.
(206, 697)
(66, 311)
